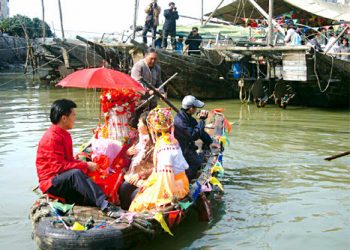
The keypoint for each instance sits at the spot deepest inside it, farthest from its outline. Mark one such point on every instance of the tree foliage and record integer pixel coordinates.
(14, 26)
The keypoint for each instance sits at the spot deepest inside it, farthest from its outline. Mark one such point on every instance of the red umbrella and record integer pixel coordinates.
(103, 78)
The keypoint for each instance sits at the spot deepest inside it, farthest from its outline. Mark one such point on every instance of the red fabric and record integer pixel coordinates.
(110, 184)
(55, 156)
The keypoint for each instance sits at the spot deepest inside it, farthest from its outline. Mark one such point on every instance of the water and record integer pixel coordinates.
(279, 192)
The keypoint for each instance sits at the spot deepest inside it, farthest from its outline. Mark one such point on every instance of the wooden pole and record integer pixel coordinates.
(43, 20)
(202, 12)
(339, 36)
(337, 156)
(135, 20)
(270, 38)
(159, 88)
(157, 93)
(211, 15)
(61, 18)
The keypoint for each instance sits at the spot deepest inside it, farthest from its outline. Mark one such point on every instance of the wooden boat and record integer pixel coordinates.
(51, 231)
(199, 75)
(56, 59)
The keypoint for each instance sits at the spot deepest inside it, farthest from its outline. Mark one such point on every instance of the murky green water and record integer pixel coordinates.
(279, 192)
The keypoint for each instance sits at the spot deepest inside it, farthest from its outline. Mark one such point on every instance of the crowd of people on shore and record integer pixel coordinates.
(153, 10)
(146, 171)
(322, 40)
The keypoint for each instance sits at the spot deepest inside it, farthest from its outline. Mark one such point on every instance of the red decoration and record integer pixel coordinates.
(123, 99)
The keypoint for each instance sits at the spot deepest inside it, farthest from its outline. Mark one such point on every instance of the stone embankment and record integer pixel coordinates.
(12, 52)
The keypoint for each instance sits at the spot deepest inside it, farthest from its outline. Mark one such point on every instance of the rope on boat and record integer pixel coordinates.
(330, 75)
(241, 87)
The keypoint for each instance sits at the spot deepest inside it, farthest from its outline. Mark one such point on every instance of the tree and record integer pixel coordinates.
(14, 26)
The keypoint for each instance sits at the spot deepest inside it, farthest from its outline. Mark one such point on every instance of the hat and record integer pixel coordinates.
(191, 101)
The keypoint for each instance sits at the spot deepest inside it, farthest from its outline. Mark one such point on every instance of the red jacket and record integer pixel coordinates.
(55, 156)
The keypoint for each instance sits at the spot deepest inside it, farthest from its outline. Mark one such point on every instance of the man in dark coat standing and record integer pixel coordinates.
(188, 130)
(194, 41)
(169, 27)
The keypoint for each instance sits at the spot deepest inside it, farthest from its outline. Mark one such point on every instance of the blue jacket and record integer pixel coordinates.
(187, 131)
(170, 20)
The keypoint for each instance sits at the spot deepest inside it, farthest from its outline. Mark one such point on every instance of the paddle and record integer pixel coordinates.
(152, 96)
(157, 93)
(337, 156)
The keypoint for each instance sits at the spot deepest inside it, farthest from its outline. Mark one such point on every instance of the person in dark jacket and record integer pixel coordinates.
(169, 28)
(194, 41)
(188, 130)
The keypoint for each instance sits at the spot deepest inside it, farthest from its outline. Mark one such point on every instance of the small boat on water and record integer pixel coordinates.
(84, 227)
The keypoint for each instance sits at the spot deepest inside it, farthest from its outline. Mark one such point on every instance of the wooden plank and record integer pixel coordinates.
(296, 79)
(294, 57)
(294, 63)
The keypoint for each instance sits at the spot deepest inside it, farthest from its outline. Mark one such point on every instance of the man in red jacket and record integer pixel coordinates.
(59, 173)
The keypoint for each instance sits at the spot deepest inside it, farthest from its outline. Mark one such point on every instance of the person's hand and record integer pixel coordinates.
(150, 92)
(92, 166)
(132, 150)
(134, 179)
(203, 114)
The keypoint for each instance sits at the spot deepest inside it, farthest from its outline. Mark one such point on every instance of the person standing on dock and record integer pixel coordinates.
(60, 175)
(152, 20)
(169, 28)
(290, 33)
(147, 70)
(194, 41)
(332, 45)
(179, 45)
(188, 130)
(344, 49)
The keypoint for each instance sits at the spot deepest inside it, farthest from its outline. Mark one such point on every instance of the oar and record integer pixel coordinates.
(337, 156)
(157, 93)
(152, 96)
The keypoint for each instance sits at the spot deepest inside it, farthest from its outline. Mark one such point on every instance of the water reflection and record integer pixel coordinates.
(279, 192)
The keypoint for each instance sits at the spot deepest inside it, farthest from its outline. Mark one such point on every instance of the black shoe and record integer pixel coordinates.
(112, 211)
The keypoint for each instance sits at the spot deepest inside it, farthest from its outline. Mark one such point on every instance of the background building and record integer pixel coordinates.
(4, 9)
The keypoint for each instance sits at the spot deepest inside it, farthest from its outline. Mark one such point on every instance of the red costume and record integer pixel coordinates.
(55, 156)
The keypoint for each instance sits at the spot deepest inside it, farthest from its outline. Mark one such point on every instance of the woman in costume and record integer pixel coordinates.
(168, 179)
(141, 165)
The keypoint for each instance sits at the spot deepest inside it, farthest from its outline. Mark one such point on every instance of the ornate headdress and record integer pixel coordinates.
(160, 120)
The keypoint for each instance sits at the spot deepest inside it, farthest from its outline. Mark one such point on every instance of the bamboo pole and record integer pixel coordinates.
(202, 12)
(270, 39)
(43, 20)
(61, 18)
(135, 20)
(339, 36)
(211, 15)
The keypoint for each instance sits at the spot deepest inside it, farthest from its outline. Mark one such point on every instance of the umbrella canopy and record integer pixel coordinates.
(103, 78)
